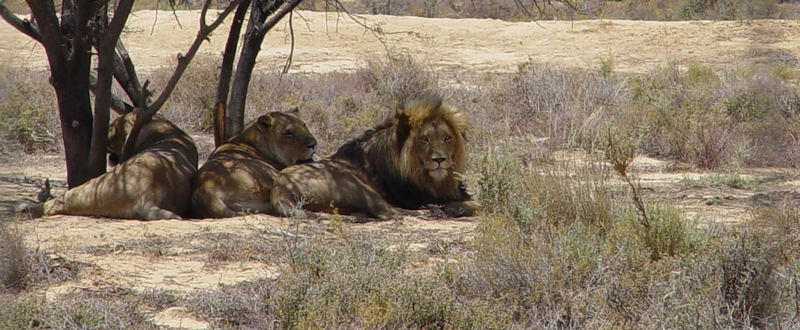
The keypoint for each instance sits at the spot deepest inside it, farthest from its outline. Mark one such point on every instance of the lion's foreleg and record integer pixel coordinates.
(146, 210)
(461, 209)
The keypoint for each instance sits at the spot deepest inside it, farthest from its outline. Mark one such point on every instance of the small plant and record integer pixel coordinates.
(733, 179)
(748, 286)
(620, 150)
(14, 265)
(606, 66)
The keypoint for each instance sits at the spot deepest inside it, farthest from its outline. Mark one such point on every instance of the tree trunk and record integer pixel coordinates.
(69, 69)
(253, 37)
(226, 71)
(75, 110)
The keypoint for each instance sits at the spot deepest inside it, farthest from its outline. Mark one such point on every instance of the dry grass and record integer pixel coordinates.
(22, 268)
(558, 245)
(111, 308)
(28, 108)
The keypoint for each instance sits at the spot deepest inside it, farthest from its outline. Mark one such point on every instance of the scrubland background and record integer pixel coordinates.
(636, 159)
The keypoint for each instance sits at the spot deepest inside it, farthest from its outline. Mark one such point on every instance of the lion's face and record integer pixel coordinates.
(117, 132)
(282, 136)
(434, 147)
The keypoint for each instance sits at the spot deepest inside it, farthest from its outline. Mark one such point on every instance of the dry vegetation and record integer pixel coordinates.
(559, 244)
(524, 10)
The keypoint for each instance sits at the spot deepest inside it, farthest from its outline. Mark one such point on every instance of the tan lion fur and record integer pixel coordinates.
(400, 166)
(238, 176)
(154, 183)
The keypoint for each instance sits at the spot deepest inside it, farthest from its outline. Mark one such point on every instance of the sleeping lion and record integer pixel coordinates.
(154, 183)
(238, 176)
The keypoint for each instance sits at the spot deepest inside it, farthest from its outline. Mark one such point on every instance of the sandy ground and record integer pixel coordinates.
(120, 253)
(331, 42)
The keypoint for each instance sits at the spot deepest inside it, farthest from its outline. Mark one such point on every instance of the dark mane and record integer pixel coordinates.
(376, 153)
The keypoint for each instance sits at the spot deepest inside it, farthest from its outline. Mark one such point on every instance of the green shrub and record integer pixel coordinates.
(669, 233)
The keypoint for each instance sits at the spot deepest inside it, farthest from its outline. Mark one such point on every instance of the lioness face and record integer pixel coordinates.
(286, 137)
(117, 132)
(434, 143)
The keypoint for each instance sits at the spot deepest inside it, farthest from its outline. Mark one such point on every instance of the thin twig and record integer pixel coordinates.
(174, 14)
(291, 51)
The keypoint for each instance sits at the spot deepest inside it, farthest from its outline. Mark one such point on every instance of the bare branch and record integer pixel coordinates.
(291, 50)
(376, 31)
(118, 21)
(106, 53)
(125, 74)
(117, 104)
(279, 15)
(44, 13)
(226, 72)
(174, 14)
(23, 25)
(183, 62)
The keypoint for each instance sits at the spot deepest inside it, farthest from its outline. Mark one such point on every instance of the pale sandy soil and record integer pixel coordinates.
(117, 250)
(330, 42)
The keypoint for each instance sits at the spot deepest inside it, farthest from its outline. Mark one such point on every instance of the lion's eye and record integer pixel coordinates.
(424, 139)
(288, 132)
(447, 139)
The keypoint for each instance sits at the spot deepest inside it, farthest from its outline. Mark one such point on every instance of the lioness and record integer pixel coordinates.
(404, 164)
(154, 183)
(238, 175)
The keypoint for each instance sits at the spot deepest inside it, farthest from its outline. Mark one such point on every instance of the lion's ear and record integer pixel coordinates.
(294, 111)
(264, 121)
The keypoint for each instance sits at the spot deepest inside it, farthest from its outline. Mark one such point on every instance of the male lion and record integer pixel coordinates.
(400, 166)
(238, 175)
(154, 183)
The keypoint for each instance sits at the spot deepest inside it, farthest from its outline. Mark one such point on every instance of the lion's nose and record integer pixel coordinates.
(439, 159)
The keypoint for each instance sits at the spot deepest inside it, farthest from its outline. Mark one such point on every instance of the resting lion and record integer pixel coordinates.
(154, 183)
(238, 175)
(400, 166)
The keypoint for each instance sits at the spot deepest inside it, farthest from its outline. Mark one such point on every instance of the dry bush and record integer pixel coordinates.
(525, 10)
(566, 106)
(109, 309)
(21, 267)
(227, 247)
(29, 111)
(14, 268)
(717, 119)
(191, 104)
(580, 258)
(343, 283)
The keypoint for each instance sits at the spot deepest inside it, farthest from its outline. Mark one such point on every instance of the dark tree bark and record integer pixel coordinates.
(106, 40)
(68, 53)
(225, 73)
(68, 42)
(253, 37)
(257, 28)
